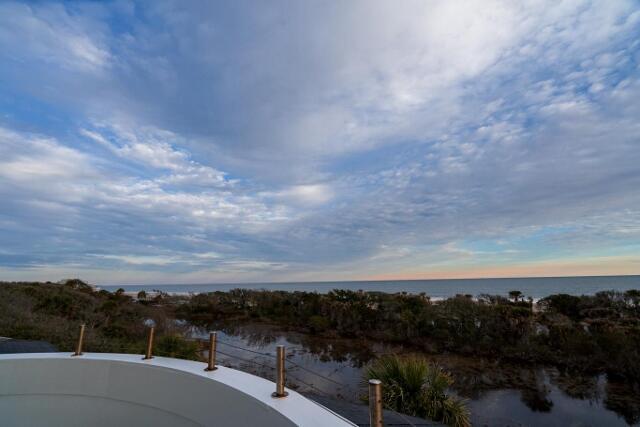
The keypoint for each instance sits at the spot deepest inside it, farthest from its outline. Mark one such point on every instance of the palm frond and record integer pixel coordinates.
(414, 386)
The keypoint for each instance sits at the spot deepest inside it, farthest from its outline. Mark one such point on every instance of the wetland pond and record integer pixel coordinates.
(499, 394)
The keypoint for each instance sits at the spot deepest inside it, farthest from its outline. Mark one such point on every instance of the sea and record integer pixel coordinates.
(534, 287)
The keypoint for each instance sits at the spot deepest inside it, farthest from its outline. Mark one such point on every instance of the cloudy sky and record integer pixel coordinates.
(201, 141)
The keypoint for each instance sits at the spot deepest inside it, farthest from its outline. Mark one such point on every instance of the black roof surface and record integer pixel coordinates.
(359, 414)
(8, 346)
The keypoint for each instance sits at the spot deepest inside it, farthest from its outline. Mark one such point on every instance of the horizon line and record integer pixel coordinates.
(365, 280)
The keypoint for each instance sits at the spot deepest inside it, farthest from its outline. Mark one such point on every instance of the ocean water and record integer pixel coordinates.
(535, 287)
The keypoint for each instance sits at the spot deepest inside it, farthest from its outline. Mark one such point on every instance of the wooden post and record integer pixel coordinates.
(211, 366)
(280, 373)
(375, 403)
(149, 352)
(80, 340)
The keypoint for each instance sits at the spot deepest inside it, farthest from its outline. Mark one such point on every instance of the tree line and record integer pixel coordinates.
(595, 333)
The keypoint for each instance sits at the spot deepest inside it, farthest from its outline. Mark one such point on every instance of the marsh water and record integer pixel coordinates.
(499, 394)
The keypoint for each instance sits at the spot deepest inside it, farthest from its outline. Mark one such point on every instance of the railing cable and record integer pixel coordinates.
(298, 380)
(320, 391)
(246, 360)
(246, 349)
(288, 361)
(406, 419)
(297, 365)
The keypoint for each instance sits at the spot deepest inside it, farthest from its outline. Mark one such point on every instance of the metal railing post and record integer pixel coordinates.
(148, 354)
(211, 366)
(375, 403)
(280, 374)
(78, 351)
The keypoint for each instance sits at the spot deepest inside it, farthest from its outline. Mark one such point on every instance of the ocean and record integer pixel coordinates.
(535, 287)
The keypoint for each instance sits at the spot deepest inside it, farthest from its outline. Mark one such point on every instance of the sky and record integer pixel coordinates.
(249, 141)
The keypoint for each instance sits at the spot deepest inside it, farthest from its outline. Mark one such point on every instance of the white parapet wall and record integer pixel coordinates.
(99, 389)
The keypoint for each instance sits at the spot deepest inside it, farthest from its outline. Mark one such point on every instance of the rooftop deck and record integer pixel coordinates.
(121, 389)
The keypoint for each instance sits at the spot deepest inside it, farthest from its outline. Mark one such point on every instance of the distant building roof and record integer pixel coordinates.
(9, 346)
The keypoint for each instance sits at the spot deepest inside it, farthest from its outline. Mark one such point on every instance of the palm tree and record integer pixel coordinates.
(413, 386)
(515, 295)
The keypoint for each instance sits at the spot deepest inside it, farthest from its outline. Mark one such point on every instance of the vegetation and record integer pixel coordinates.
(599, 333)
(582, 335)
(114, 321)
(412, 386)
(174, 345)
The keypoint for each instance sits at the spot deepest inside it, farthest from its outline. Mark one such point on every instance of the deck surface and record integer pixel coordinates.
(359, 414)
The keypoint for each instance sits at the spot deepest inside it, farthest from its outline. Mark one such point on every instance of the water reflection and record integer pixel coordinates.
(578, 386)
(535, 392)
(499, 393)
(624, 399)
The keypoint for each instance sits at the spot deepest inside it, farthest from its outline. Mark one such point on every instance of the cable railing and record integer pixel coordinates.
(290, 362)
(296, 379)
(250, 361)
(375, 386)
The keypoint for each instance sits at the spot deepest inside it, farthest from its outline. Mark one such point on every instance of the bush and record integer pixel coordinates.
(318, 324)
(415, 387)
(568, 305)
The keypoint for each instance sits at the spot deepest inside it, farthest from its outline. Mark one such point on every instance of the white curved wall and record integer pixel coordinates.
(52, 389)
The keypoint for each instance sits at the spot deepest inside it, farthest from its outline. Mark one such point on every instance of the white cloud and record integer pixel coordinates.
(308, 194)
(142, 260)
(149, 147)
(241, 266)
(347, 133)
(49, 33)
(86, 185)
(155, 148)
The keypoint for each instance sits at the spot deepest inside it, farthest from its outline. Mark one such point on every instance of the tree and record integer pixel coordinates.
(515, 295)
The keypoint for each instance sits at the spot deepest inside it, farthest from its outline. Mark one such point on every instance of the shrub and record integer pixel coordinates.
(318, 324)
(413, 386)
